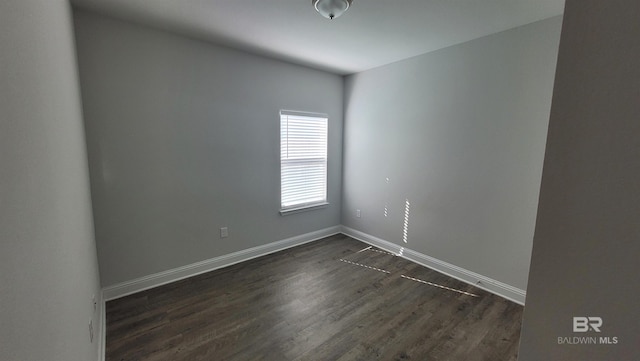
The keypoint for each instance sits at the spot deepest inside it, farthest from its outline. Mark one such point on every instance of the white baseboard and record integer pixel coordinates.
(176, 274)
(488, 284)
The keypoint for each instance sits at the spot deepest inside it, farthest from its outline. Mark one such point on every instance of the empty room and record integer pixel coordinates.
(319, 180)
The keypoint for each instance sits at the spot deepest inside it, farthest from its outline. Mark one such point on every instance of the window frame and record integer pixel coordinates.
(300, 207)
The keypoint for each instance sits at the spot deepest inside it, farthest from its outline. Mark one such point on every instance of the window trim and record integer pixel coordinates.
(311, 205)
(308, 207)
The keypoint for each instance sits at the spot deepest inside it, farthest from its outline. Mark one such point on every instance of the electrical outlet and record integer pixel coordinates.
(358, 213)
(224, 232)
(91, 331)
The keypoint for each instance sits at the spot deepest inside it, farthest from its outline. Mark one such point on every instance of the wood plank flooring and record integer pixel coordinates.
(334, 299)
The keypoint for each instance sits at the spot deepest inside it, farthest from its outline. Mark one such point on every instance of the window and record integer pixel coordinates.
(303, 160)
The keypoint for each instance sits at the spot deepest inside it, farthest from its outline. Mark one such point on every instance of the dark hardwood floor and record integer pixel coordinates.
(326, 300)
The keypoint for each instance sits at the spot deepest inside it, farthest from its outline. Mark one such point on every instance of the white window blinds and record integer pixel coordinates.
(303, 160)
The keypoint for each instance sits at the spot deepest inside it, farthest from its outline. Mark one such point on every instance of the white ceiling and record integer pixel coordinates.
(370, 34)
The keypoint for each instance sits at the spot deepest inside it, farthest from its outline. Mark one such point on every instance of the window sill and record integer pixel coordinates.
(285, 212)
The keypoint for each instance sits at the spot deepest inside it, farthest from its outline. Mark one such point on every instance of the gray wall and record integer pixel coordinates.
(460, 133)
(183, 138)
(48, 265)
(586, 244)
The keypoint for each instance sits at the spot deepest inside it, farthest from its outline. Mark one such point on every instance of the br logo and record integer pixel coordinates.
(584, 324)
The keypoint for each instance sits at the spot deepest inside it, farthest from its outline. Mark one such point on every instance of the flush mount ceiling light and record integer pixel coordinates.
(331, 9)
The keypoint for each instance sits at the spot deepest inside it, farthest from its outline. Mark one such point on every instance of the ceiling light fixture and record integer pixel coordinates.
(331, 9)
